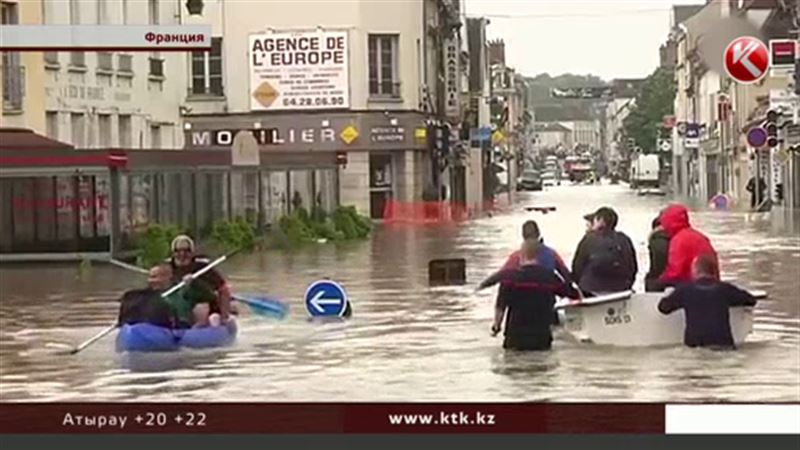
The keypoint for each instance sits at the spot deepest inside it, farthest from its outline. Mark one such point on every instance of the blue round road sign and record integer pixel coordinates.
(325, 298)
(756, 137)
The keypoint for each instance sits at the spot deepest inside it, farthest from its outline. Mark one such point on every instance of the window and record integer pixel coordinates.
(383, 74)
(124, 126)
(155, 136)
(52, 124)
(104, 125)
(125, 63)
(51, 58)
(77, 59)
(13, 73)
(156, 66)
(152, 12)
(105, 61)
(207, 70)
(74, 12)
(102, 12)
(124, 12)
(78, 130)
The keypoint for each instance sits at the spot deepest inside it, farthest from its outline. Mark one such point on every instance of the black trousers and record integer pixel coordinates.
(527, 343)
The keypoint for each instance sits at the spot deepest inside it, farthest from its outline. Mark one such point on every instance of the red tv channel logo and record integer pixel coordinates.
(746, 59)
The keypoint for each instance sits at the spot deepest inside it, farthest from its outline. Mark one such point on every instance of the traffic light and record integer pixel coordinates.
(772, 128)
(439, 143)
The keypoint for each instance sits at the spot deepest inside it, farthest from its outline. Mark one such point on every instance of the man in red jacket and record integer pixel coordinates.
(685, 245)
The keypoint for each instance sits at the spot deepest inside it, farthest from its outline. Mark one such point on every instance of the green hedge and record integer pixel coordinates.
(154, 243)
(295, 229)
(229, 235)
(345, 223)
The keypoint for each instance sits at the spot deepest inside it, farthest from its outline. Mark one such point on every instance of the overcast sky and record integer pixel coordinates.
(608, 38)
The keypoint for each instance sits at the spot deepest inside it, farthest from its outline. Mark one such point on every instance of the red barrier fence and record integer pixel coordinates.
(424, 212)
(433, 213)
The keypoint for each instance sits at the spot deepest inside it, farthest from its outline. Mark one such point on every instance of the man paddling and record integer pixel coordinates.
(181, 309)
(185, 262)
(526, 301)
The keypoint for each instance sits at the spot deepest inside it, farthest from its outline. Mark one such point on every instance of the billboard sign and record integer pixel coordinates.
(299, 70)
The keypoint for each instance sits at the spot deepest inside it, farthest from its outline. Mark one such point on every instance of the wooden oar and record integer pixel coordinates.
(114, 325)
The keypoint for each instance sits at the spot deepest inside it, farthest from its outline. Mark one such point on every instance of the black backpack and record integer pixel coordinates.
(145, 306)
(608, 257)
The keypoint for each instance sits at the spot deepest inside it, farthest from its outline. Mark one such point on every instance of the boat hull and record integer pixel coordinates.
(144, 337)
(633, 320)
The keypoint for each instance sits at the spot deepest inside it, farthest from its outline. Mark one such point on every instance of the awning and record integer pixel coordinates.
(21, 147)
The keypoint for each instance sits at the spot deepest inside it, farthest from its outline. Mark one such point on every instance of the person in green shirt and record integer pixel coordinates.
(184, 302)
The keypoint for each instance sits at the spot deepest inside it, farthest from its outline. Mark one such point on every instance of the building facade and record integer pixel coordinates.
(585, 134)
(719, 160)
(22, 75)
(114, 99)
(553, 136)
(388, 84)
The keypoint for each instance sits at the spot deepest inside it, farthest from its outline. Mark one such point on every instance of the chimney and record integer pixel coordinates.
(497, 52)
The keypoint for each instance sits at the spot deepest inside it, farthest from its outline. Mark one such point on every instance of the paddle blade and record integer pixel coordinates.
(443, 272)
(264, 306)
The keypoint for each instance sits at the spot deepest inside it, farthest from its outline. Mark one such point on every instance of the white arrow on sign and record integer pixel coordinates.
(318, 302)
(740, 54)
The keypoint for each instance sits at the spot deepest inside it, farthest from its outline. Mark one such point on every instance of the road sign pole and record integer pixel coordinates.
(756, 187)
(723, 155)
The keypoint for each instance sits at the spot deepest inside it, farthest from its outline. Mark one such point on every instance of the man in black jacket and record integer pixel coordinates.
(605, 260)
(658, 245)
(526, 300)
(705, 302)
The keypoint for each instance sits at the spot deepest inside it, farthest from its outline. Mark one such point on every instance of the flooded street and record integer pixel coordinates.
(406, 341)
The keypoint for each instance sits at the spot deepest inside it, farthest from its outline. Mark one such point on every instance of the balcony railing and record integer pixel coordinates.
(13, 87)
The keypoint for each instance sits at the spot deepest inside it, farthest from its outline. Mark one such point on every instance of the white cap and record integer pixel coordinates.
(182, 239)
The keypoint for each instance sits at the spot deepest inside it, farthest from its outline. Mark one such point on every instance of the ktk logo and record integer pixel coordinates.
(746, 59)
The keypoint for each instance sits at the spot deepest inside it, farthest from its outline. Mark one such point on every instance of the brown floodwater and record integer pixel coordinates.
(406, 341)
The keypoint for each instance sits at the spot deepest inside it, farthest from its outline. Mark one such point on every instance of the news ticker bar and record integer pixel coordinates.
(394, 418)
(104, 37)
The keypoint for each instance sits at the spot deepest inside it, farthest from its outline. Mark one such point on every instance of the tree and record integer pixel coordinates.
(654, 100)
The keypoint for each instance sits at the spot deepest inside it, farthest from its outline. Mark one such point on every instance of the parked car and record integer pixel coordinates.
(531, 180)
(549, 178)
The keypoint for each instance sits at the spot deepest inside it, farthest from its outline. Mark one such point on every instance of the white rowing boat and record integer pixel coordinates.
(629, 319)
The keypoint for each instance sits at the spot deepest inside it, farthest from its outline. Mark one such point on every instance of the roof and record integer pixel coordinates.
(24, 139)
(626, 87)
(550, 126)
(682, 12)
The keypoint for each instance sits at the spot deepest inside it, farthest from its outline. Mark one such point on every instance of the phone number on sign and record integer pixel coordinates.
(313, 101)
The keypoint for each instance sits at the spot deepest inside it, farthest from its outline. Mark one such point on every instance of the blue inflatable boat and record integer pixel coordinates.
(144, 337)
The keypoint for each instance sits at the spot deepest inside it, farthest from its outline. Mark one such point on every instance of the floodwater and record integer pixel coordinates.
(406, 341)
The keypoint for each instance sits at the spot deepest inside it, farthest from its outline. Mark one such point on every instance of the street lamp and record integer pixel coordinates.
(195, 7)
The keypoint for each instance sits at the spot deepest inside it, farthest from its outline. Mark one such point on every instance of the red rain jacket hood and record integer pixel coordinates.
(685, 245)
(674, 219)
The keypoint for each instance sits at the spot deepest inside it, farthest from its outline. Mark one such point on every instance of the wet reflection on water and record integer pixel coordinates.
(406, 341)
